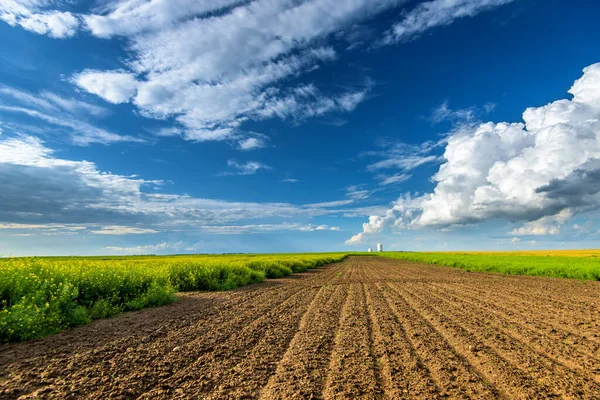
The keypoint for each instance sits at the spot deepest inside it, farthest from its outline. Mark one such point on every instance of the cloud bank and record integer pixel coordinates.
(44, 193)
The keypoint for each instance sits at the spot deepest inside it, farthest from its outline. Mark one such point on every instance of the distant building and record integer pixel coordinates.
(379, 247)
(370, 250)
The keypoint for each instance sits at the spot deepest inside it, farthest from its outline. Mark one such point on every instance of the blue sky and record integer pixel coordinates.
(186, 126)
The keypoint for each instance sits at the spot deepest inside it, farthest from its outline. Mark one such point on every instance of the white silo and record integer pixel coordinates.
(370, 250)
(379, 247)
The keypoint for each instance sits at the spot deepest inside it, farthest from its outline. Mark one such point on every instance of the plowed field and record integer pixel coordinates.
(368, 327)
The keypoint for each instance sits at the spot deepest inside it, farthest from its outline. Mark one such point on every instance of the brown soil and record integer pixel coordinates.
(368, 328)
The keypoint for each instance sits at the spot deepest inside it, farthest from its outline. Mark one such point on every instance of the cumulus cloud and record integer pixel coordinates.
(113, 86)
(431, 14)
(256, 141)
(540, 171)
(548, 225)
(34, 16)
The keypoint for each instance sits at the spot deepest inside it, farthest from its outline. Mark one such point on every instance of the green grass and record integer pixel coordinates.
(511, 264)
(43, 295)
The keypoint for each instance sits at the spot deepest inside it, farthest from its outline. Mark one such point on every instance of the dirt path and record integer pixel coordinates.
(368, 327)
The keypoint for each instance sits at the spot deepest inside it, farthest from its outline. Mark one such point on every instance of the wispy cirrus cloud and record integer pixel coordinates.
(65, 113)
(400, 156)
(254, 228)
(247, 168)
(430, 14)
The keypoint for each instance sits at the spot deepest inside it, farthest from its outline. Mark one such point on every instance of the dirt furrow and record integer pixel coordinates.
(404, 374)
(173, 353)
(302, 371)
(509, 363)
(352, 370)
(248, 356)
(539, 311)
(452, 372)
(535, 332)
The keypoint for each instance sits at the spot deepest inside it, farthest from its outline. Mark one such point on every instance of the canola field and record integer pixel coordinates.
(574, 264)
(44, 295)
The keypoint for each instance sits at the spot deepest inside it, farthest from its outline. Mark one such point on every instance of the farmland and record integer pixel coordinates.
(574, 264)
(40, 296)
(366, 327)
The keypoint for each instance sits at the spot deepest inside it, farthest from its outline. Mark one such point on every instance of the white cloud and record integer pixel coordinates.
(212, 65)
(548, 225)
(81, 132)
(73, 106)
(146, 249)
(128, 17)
(113, 86)
(403, 162)
(402, 156)
(444, 113)
(66, 114)
(122, 230)
(327, 228)
(539, 171)
(43, 228)
(358, 192)
(251, 143)
(247, 168)
(258, 141)
(54, 228)
(253, 228)
(328, 204)
(431, 14)
(489, 107)
(397, 178)
(33, 16)
(460, 116)
(290, 180)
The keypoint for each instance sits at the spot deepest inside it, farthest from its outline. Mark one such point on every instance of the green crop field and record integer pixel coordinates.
(43, 295)
(575, 265)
